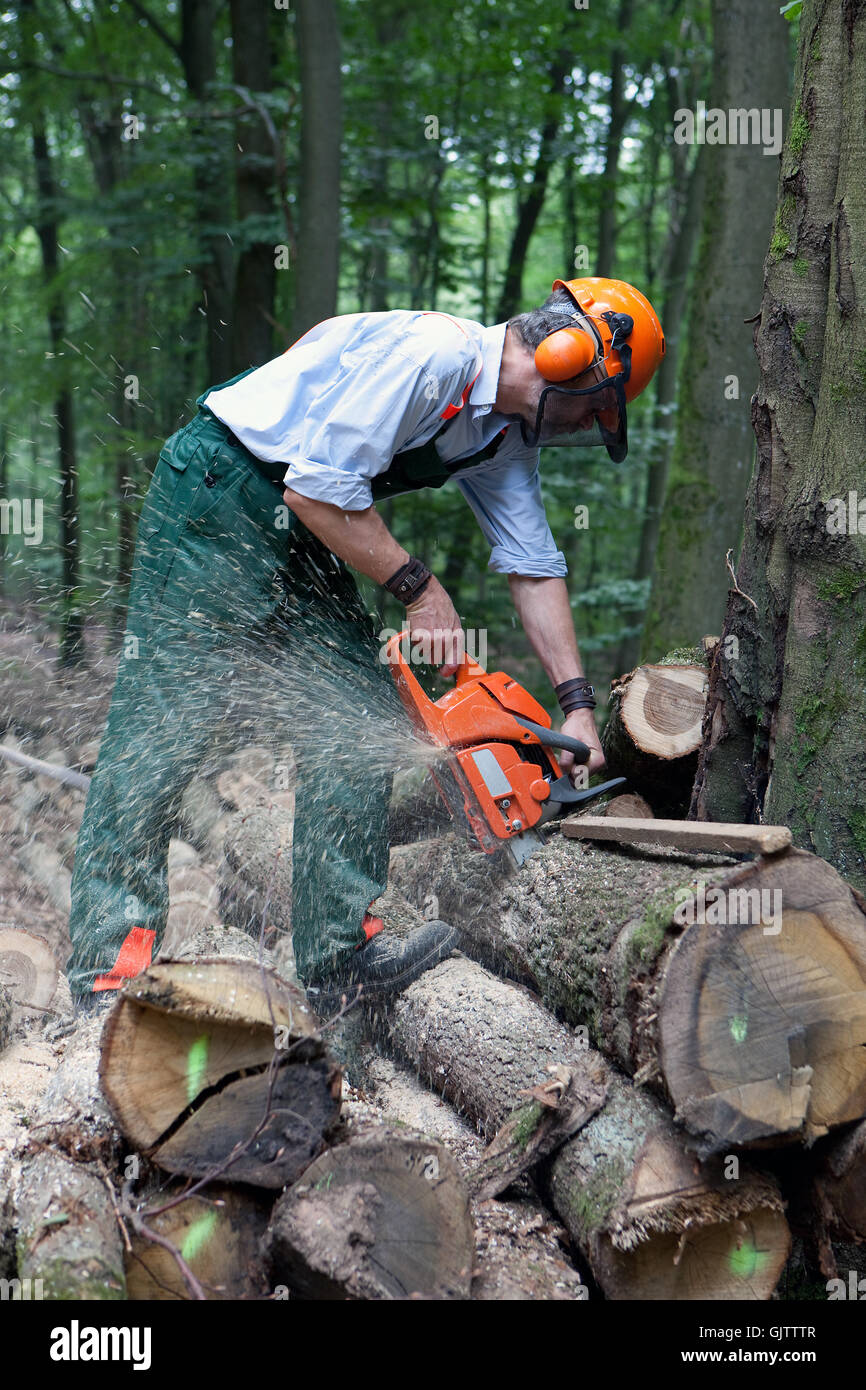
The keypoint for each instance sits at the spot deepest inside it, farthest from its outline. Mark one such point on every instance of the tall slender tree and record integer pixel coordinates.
(787, 704)
(712, 454)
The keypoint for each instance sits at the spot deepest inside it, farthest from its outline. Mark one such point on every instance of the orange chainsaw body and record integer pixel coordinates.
(502, 769)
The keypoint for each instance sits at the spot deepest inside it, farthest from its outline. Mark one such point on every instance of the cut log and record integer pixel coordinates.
(217, 1235)
(651, 1222)
(752, 1023)
(520, 1255)
(712, 836)
(653, 732)
(216, 1066)
(840, 1185)
(68, 1234)
(385, 1216)
(256, 875)
(520, 1245)
(28, 970)
(629, 804)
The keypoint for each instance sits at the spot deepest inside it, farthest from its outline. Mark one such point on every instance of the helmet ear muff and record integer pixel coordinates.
(565, 354)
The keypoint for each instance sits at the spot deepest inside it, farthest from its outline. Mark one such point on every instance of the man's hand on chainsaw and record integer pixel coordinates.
(435, 629)
(581, 724)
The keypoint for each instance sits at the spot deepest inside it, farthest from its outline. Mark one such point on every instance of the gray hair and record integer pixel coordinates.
(537, 324)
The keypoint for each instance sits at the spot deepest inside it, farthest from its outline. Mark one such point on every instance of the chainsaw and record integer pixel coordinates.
(499, 778)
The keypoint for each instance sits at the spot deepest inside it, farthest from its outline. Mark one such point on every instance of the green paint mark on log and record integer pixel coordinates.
(198, 1235)
(739, 1026)
(196, 1062)
(798, 333)
(746, 1261)
(801, 267)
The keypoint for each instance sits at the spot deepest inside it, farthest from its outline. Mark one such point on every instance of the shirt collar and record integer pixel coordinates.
(483, 393)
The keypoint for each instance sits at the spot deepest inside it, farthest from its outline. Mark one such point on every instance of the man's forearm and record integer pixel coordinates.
(360, 538)
(544, 610)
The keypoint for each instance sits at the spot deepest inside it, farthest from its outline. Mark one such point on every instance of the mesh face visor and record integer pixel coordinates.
(590, 415)
(584, 417)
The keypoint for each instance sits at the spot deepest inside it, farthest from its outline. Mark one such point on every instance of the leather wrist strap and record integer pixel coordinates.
(409, 581)
(576, 693)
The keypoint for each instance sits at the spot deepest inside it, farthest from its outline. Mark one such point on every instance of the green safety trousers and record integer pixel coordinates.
(230, 593)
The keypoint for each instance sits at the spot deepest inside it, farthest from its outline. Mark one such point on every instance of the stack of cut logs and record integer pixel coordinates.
(657, 1026)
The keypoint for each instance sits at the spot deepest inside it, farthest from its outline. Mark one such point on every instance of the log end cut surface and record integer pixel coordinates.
(386, 1217)
(662, 709)
(198, 1053)
(763, 1017)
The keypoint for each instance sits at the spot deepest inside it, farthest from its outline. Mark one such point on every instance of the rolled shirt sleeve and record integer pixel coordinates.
(505, 497)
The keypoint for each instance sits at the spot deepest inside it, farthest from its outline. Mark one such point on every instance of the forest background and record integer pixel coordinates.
(187, 185)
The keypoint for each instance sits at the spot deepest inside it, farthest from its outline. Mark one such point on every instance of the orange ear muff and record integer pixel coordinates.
(565, 354)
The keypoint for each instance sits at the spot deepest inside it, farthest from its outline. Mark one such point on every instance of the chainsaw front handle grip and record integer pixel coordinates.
(580, 750)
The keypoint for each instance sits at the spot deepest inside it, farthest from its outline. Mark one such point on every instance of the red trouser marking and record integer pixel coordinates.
(371, 927)
(133, 957)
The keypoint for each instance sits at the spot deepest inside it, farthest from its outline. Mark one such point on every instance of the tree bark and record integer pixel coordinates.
(712, 455)
(592, 930)
(786, 704)
(317, 265)
(529, 207)
(211, 179)
(47, 227)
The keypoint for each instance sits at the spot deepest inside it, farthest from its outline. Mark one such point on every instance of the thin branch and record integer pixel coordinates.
(73, 76)
(736, 588)
(157, 28)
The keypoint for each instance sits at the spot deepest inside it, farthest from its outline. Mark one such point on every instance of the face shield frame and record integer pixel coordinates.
(613, 432)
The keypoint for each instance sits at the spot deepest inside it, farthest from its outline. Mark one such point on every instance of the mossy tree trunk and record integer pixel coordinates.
(712, 455)
(786, 705)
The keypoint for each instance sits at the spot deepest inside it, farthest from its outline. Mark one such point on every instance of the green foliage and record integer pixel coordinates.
(426, 223)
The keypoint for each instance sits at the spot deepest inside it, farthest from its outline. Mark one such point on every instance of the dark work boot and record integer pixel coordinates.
(383, 966)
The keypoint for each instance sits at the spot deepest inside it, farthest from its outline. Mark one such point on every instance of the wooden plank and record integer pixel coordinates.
(680, 834)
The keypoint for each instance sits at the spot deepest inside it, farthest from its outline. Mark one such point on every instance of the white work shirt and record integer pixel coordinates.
(359, 388)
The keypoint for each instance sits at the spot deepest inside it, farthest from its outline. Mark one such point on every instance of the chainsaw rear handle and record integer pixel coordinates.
(580, 750)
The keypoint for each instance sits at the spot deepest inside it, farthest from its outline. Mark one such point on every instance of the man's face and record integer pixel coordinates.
(564, 414)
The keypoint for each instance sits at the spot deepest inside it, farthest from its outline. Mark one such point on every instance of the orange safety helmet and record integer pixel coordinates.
(608, 353)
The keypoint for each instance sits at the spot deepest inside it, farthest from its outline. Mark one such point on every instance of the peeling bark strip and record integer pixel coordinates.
(752, 1023)
(783, 736)
(651, 1221)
